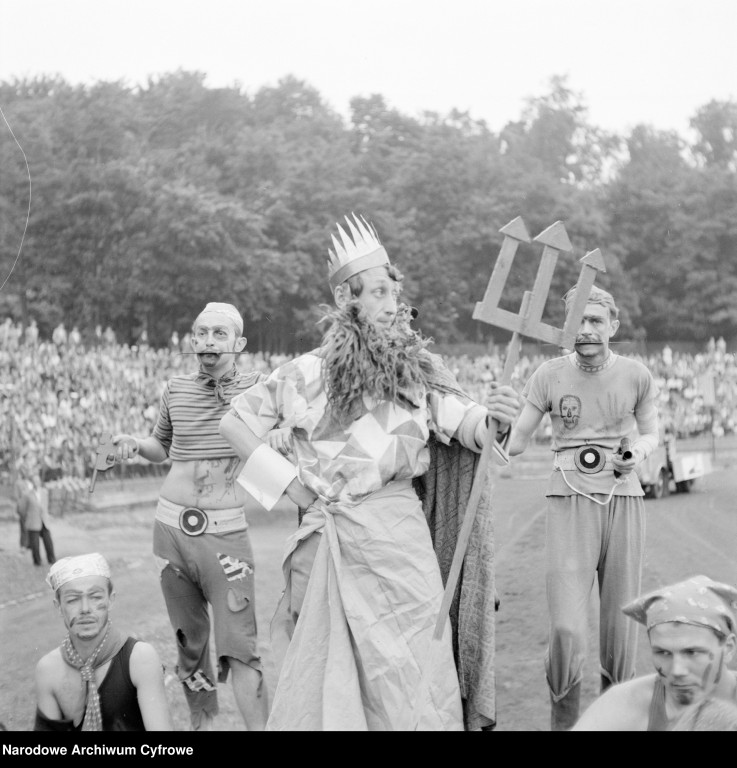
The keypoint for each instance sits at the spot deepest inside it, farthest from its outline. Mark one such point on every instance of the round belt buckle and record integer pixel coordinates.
(193, 521)
(589, 459)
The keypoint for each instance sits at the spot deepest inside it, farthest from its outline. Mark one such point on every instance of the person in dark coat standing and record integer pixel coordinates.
(33, 511)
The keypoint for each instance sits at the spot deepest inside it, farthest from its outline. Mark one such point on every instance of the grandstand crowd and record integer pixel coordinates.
(60, 396)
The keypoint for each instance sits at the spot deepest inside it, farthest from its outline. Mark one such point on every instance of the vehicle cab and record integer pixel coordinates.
(666, 465)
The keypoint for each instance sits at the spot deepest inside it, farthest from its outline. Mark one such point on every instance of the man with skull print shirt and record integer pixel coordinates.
(570, 409)
(595, 517)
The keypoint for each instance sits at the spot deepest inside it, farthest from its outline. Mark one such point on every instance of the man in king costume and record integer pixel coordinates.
(363, 585)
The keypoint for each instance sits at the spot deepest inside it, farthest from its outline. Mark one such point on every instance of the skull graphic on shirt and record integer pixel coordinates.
(570, 411)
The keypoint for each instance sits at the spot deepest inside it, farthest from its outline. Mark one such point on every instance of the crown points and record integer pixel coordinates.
(348, 244)
(360, 242)
(357, 236)
(360, 249)
(339, 250)
(367, 233)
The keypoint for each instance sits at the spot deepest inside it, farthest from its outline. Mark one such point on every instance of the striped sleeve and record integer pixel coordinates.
(163, 430)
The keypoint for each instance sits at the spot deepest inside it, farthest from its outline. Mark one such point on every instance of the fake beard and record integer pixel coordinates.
(360, 360)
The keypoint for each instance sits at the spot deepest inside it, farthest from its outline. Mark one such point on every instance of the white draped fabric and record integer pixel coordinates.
(365, 630)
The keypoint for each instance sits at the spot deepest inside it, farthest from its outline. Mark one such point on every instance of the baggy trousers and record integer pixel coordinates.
(586, 540)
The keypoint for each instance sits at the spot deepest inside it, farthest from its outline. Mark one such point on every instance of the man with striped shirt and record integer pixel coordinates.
(201, 541)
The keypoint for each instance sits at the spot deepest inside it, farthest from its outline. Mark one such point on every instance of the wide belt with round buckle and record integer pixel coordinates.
(590, 459)
(193, 521)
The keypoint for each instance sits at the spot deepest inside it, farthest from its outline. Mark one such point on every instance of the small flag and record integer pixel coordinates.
(199, 682)
(234, 568)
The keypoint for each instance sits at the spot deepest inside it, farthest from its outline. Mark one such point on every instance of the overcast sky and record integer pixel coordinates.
(633, 61)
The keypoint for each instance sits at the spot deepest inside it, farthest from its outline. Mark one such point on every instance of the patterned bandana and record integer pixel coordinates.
(112, 641)
(698, 600)
(218, 384)
(68, 568)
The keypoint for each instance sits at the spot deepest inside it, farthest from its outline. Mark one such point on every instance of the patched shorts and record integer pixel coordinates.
(214, 568)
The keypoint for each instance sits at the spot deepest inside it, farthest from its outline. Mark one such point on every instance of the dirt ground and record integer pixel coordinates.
(687, 534)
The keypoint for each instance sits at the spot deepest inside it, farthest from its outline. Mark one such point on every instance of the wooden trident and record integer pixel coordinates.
(527, 323)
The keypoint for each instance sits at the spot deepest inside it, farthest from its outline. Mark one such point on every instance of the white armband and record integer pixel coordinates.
(266, 476)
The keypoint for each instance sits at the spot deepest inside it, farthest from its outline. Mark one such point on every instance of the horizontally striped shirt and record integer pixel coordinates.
(190, 413)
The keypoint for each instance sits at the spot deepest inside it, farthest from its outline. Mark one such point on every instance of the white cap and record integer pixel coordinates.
(228, 310)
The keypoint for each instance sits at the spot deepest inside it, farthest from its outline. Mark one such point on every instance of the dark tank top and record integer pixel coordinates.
(118, 699)
(118, 695)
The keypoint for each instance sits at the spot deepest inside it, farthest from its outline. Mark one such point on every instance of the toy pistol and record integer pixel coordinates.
(104, 459)
(624, 451)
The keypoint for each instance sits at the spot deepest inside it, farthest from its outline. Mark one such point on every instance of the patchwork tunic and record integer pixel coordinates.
(364, 633)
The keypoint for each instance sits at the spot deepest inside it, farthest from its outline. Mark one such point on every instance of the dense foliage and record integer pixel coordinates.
(148, 202)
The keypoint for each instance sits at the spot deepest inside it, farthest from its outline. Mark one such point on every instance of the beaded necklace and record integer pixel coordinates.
(593, 368)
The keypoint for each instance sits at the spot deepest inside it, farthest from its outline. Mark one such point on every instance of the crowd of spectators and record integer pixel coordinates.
(59, 397)
(698, 393)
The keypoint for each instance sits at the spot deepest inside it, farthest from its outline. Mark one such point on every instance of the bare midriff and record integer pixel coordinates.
(205, 483)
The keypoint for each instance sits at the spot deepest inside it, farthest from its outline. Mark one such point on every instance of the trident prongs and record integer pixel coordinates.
(555, 239)
(514, 233)
(591, 263)
(529, 323)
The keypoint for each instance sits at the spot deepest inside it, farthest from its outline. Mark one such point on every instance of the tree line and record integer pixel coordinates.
(149, 201)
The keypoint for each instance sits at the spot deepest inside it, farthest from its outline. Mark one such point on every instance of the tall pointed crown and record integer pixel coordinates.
(355, 252)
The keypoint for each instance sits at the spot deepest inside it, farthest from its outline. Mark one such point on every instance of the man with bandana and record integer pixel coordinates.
(353, 635)
(98, 679)
(201, 540)
(691, 630)
(595, 523)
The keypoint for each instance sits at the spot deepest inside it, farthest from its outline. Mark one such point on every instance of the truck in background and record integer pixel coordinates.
(666, 465)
